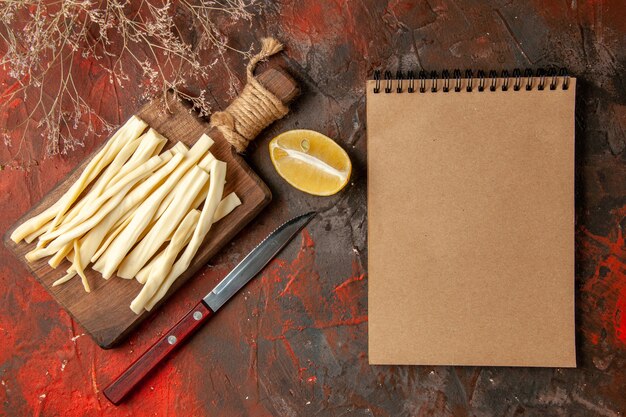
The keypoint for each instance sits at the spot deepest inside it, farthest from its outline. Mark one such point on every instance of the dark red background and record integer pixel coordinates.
(294, 342)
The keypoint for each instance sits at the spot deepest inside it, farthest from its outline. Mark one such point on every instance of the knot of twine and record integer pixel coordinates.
(255, 108)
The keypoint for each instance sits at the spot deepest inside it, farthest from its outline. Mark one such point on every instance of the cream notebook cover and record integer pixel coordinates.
(471, 221)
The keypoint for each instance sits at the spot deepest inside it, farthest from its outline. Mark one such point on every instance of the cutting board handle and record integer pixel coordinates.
(279, 83)
(125, 383)
(252, 110)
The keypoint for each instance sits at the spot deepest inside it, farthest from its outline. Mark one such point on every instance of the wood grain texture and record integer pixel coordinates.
(105, 313)
(280, 84)
(117, 390)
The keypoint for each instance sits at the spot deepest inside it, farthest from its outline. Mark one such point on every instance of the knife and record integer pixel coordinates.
(247, 269)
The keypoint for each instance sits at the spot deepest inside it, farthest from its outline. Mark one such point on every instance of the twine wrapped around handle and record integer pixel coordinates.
(255, 108)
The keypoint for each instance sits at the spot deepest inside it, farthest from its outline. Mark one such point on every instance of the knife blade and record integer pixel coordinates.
(236, 279)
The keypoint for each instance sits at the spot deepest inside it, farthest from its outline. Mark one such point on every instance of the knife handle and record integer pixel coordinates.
(122, 385)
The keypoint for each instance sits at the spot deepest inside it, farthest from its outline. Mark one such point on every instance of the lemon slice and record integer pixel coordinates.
(310, 161)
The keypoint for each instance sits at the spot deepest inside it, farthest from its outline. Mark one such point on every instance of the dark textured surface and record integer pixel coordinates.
(294, 342)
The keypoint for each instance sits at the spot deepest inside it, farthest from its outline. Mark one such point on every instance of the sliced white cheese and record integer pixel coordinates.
(206, 162)
(37, 233)
(79, 267)
(104, 181)
(163, 263)
(113, 172)
(115, 253)
(34, 224)
(91, 242)
(139, 173)
(151, 141)
(142, 276)
(60, 242)
(116, 231)
(58, 257)
(218, 176)
(70, 232)
(205, 165)
(179, 148)
(91, 171)
(226, 206)
(131, 130)
(151, 145)
(64, 279)
(190, 186)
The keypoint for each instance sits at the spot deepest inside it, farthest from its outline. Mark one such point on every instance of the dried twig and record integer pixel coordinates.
(42, 41)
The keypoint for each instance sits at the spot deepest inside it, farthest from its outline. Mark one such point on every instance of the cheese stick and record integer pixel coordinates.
(226, 206)
(205, 165)
(179, 148)
(34, 224)
(190, 186)
(60, 242)
(218, 176)
(181, 236)
(64, 278)
(37, 233)
(79, 267)
(56, 260)
(130, 131)
(149, 144)
(101, 183)
(115, 253)
(71, 232)
(132, 177)
(91, 171)
(92, 240)
(117, 230)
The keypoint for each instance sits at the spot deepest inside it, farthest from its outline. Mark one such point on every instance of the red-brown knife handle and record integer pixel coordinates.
(120, 387)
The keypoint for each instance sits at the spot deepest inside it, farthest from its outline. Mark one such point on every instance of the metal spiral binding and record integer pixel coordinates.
(388, 81)
(481, 80)
(505, 80)
(422, 78)
(399, 79)
(434, 77)
(446, 81)
(529, 80)
(457, 76)
(494, 80)
(517, 74)
(470, 77)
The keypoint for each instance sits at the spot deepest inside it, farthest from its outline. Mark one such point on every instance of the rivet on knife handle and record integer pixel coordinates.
(241, 274)
(125, 383)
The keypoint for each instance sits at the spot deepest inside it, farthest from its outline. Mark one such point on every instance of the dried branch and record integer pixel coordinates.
(43, 41)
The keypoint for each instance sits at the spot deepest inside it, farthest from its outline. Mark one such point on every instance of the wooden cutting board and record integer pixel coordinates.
(104, 313)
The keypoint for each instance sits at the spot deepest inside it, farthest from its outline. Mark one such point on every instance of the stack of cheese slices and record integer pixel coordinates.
(135, 212)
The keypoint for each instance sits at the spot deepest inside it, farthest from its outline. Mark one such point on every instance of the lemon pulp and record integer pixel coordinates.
(310, 161)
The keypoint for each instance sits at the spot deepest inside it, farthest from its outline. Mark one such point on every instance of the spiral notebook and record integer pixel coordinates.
(471, 219)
